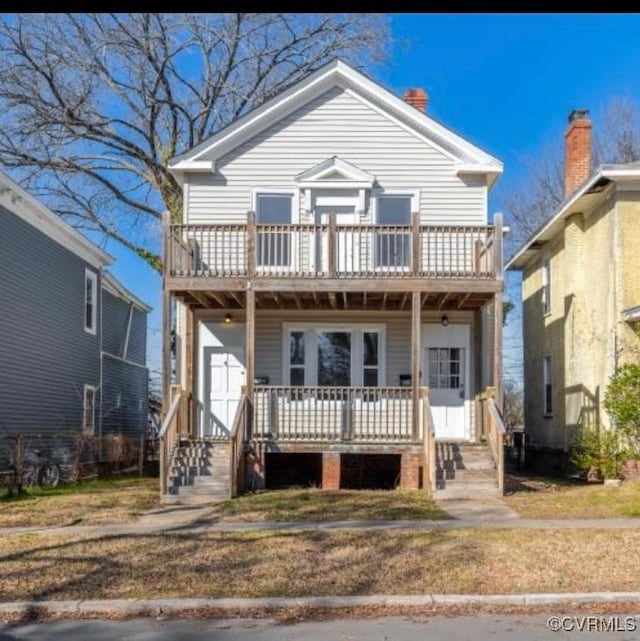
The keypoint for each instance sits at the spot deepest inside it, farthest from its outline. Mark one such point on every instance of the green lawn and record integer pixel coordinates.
(555, 499)
(86, 503)
(327, 505)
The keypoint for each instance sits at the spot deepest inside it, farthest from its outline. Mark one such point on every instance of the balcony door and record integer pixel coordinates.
(347, 242)
(392, 251)
(275, 246)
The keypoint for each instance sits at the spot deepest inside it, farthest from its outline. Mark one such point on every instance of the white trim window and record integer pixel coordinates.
(393, 251)
(89, 409)
(547, 376)
(546, 286)
(90, 301)
(275, 249)
(334, 355)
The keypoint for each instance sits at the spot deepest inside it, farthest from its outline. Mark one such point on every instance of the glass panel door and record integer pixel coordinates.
(393, 250)
(274, 247)
(334, 359)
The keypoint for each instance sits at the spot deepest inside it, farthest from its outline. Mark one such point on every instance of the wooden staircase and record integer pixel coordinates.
(199, 473)
(465, 471)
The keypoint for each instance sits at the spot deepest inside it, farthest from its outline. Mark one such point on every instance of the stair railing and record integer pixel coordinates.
(428, 440)
(170, 431)
(237, 438)
(495, 432)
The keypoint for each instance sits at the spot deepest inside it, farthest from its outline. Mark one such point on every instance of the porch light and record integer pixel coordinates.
(227, 318)
(444, 320)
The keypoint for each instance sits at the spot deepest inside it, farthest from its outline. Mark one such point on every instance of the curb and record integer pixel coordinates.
(167, 606)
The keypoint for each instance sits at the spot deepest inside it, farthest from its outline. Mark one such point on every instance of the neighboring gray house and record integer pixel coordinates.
(72, 338)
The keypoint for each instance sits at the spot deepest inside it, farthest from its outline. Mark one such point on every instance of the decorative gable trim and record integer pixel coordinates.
(335, 173)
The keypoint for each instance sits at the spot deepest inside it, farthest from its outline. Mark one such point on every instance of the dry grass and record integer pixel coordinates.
(544, 499)
(325, 505)
(319, 563)
(89, 503)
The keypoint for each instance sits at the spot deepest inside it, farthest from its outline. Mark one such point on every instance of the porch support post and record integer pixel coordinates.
(166, 316)
(189, 360)
(498, 315)
(250, 338)
(166, 349)
(497, 349)
(416, 305)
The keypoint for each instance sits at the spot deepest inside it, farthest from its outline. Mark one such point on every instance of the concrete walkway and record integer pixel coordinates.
(196, 519)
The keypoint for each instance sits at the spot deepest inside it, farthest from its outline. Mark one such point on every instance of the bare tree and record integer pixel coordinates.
(616, 139)
(513, 411)
(93, 105)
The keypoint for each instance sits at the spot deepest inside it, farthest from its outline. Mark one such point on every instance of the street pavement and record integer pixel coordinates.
(481, 627)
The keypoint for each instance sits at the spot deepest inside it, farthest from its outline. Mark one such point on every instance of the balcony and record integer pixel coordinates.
(299, 252)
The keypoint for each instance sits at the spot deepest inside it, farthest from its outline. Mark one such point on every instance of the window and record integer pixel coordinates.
(548, 386)
(393, 250)
(274, 247)
(446, 367)
(546, 286)
(89, 414)
(370, 359)
(333, 355)
(296, 358)
(90, 301)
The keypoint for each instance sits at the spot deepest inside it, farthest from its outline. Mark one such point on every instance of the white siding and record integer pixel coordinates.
(337, 123)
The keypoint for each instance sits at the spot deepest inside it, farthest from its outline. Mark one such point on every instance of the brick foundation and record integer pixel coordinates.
(254, 477)
(330, 471)
(410, 474)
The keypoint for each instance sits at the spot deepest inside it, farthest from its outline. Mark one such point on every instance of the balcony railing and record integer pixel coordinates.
(355, 414)
(331, 250)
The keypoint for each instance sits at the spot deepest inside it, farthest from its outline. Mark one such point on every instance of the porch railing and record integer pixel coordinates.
(494, 431)
(330, 250)
(237, 438)
(174, 425)
(356, 414)
(428, 440)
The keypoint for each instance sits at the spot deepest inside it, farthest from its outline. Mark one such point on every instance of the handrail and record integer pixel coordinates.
(429, 440)
(237, 438)
(496, 432)
(311, 250)
(169, 434)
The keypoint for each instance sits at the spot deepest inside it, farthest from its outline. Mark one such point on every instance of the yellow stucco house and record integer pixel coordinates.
(581, 298)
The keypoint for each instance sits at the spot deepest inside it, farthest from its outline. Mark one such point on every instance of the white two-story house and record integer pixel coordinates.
(338, 289)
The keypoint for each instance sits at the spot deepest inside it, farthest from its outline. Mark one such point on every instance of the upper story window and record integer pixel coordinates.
(90, 301)
(274, 246)
(393, 250)
(546, 286)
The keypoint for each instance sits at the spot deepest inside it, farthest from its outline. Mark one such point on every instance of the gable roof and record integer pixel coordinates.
(111, 284)
(471, 159)
(582, 198)
(27, 207)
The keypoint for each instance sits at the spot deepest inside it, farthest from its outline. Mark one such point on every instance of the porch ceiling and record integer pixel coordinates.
(389, 301)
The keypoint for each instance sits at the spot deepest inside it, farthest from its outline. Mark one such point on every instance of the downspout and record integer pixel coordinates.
(126, 337)
(101, 362)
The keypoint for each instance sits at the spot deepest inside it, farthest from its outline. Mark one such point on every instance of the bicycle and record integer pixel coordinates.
(44, 472)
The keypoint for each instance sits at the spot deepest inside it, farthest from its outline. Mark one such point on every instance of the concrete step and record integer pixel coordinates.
(202, 490)
(466, 493)
(467, 465)
(195, 499)
(463, 476)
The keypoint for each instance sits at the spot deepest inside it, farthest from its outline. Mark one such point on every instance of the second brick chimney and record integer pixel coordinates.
(577, 150)
(417, 98)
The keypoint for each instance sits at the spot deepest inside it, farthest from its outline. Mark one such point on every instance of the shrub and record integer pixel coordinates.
(622, 402)
(600, 453)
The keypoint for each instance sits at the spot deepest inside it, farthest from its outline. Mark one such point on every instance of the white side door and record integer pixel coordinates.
(227, 376)
(446, 362)
(347, 249)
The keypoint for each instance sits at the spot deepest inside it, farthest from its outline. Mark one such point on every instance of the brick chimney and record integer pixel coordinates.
(417, 98)
(577, 150)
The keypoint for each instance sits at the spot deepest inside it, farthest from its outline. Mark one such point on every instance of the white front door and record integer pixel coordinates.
(446, 361)
(347, 249)
(227, 376)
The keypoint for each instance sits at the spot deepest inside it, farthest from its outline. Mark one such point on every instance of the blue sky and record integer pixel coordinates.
(505, 82)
